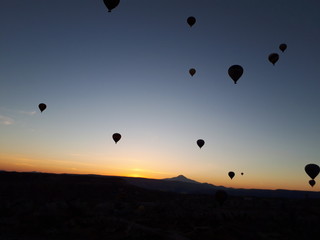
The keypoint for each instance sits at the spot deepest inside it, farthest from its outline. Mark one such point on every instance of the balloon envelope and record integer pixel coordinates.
(235, 72)
(312, 170)
(111, 4)
(192, 71)
(191, 21)
(242, 173)
(200, 143)
(312, 182)
(231, 174)
(42, 107)
(273, 58)
(283, 47)
(116, 137)
(221, 196)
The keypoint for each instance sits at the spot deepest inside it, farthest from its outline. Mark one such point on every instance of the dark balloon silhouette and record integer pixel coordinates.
(283, 47)
(111, 4)
(312, 170)
(221, 196)
(273, 58)
(200, 143)
(231, 174)
(242, 173)
(312, 182)
(116, 137)
(42, 107)
(191, 21)
(235, 72)
(192, 71)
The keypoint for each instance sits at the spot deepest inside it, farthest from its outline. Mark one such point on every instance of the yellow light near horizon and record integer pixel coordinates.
(136, 172)
(135, 175)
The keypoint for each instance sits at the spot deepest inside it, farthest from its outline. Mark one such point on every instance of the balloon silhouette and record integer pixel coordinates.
(111, 4)
(242, 173)
(191, 21)
(283, 47)
(231, 174)
(312, 182)
(235, 72)
(192, 71)
(200, 143)
(221, 196)
(42, 107)
(312, 170)
(116, 137)
(273, 58)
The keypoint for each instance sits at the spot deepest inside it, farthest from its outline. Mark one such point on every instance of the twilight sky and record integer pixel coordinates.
(127, 72)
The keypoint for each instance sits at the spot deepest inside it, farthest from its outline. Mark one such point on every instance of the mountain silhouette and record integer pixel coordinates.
(179, 184)
(181, 178)
(75, 206)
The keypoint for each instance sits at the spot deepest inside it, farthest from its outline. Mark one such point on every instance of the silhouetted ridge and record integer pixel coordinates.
(70, 206)
(181, 178)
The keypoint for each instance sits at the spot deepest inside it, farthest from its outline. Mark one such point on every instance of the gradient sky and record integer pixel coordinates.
(127, 72)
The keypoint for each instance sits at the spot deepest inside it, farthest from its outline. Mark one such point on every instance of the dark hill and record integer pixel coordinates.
(180, 185)
(36, 206)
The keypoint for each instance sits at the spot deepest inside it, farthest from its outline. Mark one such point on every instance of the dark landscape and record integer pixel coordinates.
(67, 206)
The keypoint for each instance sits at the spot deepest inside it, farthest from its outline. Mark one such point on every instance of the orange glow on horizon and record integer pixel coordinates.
(25, 164)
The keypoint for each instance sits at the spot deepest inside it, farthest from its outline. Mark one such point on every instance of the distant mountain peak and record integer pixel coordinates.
(181, 178)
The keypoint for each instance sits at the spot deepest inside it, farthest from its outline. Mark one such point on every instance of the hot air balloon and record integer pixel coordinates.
(242, 173)
(273, 58)
(312, 182)
(111, 4)
(231, 174)
(200, 143)
(312, 170)
(191, 21)
(116, 137)
(192, 71)
(235, 72)
(283, 47)
(221, 196)
(42, 107)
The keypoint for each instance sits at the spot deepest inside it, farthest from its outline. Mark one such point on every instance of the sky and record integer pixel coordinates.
(127, 72)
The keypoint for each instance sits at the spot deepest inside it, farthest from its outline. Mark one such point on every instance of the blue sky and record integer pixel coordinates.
(127, 72)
